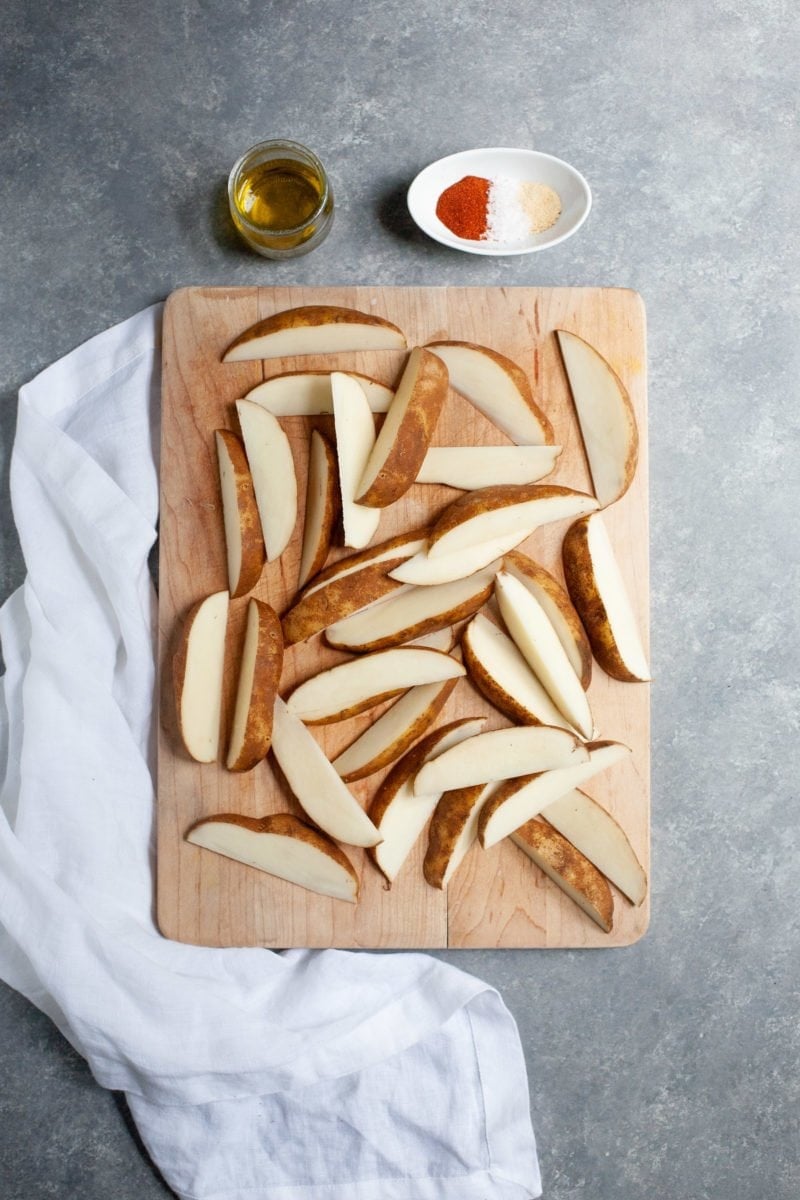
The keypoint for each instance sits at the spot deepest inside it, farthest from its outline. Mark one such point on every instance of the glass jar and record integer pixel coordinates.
(280, 199)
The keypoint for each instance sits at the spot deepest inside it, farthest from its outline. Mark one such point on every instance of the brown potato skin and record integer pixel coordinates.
(489, 687)
(332, 506)
(585, 595)
(451, 617)
(391, 753)
(339, 599)
(254, 553)
(568, 862)
(447, 822)
(414, 435)
(502, 495)
(309, 315)
(560, 597)
(266, 680)
(520, 379)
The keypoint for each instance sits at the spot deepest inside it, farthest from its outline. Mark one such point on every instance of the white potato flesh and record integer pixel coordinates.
(315, 784)
(593, 831)
(501, 659)
(425, 571)
(308, 394)
(244, 689)
(501, 754)
(553, 613)
(355, 437)
(331, 337)
(511, 518)
(472, 467)
(413, 546)
(200, 706)
(317, 518)
(483, 382)
(542, 649)
(230, 515)
(269, 457)
(390, 429)
(616, 601)
(389, 729)
(440, 639)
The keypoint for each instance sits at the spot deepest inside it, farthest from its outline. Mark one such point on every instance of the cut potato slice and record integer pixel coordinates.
(598, 591)
(424, 571)
(440, 639)
(497, 669)
(244, 540)
(308, 393)
(496, 512)
(556, 603)
(520, 800)
(355, 437)
(472, 467)
(351, 687)
(539, 644)
(323, 505)
(397, 812)
(406, 433)
(498, 388)
(392, 734)
(605, 415)
(315, 784)
(501, 754)
(314, 329)
(281, 845)
(594, 832)
(453, 831)
(411, 614)
(269, 457)
(197, 672)
(259, 676)
(569, 869)
(403, 546)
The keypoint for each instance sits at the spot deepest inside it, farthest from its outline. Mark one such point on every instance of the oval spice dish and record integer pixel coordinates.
(505, 169)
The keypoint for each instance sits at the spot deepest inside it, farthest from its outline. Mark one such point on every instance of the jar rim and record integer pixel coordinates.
(274, 144)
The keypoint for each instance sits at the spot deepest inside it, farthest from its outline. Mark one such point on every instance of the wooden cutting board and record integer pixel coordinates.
(498, 898)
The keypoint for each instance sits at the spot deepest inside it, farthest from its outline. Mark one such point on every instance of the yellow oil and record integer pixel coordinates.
(278, 195)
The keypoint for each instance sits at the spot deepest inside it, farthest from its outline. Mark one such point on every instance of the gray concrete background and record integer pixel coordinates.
(669, 1069)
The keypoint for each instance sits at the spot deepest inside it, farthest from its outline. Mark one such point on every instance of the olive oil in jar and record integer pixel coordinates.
(280, 199)
(279, 195)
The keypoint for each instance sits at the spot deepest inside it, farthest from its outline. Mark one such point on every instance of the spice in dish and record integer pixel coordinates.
(500, 210)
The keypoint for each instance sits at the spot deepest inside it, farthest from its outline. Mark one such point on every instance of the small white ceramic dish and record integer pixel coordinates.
(495, 162)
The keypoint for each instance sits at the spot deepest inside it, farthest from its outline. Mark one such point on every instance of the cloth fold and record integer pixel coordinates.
(249, 1073)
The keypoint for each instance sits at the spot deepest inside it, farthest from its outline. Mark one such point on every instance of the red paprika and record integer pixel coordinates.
(464, 207)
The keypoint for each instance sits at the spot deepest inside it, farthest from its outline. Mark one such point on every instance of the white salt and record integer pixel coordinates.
(507, 220)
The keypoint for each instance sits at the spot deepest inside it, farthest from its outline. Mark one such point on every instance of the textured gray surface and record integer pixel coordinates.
(666, 1069)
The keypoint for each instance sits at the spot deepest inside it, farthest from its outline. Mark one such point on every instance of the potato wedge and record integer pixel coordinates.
(501, 754)
(570, 870)
(593, 831)
(260, 668)
(453, 831)
(396, 811)
(481, 516)
(556, 603)
(405, 435)
(308, 393)
(323, 505)
(355, 437)
(498, 388)
(197, 671)
(269, 457)
(472, 467)
(497, 669)
(424, 571)
(352, 687)
(598, 591)
(244, 540)
(284, 846)
(605, 416)
(314, 329)
(520, 800)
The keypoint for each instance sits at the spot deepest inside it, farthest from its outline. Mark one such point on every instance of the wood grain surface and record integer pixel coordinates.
(498, 898)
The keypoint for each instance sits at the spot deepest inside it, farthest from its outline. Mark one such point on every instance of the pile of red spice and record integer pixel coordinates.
(501, 210)
(464, 207)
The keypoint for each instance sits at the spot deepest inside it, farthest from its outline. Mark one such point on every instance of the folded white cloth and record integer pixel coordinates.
(249, 1073)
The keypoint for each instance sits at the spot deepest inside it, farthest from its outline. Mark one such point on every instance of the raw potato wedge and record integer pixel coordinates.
(520, 800)
(472, 467)
(598, 591)
(281, 845)
(397, 812)
(347, 586)
(411, 614)
(424, 571)
(605, 416)
(259, 676)
(453, 831)
(569, 869)
(502, 754)
(351, 687)
(593, 831)
(355, 437)
(244, 540)
(308, 393)
(388, 738)
(498, 388)
(406, 433)
(498, 511)
(269, 457)
(497, 669)
(440, 639)
(539, 644)
(197, 672)
(322, 507)
(555, 601)
(314, 329)
(315, 784)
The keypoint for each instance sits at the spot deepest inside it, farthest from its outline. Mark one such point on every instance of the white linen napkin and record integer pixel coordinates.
(250, 1073)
